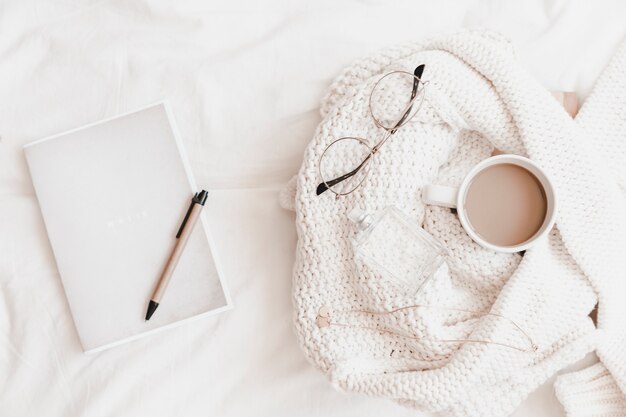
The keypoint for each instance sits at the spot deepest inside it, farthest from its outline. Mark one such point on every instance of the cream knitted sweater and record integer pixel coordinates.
(478, 98)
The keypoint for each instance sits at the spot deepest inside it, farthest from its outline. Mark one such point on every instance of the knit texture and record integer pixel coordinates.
(590, 392)
(598, 391)
(478, 99)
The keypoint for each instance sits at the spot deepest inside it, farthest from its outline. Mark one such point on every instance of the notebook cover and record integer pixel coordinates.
(112, 195)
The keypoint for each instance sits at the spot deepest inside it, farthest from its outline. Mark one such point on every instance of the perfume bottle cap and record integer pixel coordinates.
(360, 218)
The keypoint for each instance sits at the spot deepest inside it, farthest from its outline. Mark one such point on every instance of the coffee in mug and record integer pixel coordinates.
(505, 203)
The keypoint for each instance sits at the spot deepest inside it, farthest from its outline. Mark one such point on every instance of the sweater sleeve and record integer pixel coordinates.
(600, 390)
(602, 115)
(591, 392)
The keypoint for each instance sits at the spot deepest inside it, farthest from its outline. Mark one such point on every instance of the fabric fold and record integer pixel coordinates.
(591, 392)
(548, 292)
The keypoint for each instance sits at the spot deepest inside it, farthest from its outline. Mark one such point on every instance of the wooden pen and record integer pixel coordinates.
(190, 220)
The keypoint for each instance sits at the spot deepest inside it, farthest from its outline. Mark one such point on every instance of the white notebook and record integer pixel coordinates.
(113, 195)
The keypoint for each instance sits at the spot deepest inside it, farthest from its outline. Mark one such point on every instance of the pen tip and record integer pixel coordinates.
(151, 309)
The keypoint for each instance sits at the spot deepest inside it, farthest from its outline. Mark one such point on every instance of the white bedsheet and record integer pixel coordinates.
(244, 81)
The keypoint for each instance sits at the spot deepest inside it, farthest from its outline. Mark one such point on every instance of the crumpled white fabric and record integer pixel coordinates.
(549, 293)
(245, 80)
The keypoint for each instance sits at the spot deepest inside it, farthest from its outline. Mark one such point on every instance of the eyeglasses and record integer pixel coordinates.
(395, 99)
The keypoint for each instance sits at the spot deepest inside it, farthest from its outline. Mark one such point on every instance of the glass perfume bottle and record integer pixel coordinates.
(398, 247)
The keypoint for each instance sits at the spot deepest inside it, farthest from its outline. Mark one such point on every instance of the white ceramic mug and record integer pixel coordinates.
(455, 198)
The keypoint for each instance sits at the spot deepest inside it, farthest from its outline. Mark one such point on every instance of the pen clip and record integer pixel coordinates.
(182, 226)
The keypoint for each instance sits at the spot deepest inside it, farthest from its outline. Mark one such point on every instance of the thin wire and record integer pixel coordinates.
(534, 347)
(388, 331)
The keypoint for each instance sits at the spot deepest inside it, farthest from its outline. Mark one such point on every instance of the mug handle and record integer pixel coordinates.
(440, 195)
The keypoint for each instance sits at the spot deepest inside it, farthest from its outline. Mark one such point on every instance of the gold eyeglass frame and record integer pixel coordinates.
(417, 95)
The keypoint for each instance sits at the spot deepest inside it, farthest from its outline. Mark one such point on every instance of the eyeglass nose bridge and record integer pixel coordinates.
(388, 134)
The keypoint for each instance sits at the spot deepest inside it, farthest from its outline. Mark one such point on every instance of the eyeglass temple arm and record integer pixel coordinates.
(419, 70)
(416, 80)
(324, 186)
